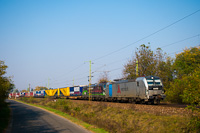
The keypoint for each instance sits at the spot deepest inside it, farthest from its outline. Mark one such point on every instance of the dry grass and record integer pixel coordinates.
(119, 117)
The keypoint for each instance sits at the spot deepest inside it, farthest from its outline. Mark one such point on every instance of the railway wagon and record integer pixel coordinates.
(39, 94)
(147, 89)
(10, 95)
(29, 94)
(97, 92)
(14, 95)
(59, 92)
(64, 92)
(52, 92)
(22, 94)
(75, 92)
(68, 92)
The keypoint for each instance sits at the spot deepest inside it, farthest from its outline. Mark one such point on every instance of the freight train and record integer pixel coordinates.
(148, 89)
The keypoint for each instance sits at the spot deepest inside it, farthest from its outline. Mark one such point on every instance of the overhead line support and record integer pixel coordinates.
(90, 76)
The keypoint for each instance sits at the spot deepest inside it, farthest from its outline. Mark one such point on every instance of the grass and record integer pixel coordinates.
(114, 119)
(4, 116)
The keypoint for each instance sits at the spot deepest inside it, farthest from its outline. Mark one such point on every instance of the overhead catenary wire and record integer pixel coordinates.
(72, 69)
(161, 47)
(139, 41)
(182, 50)
(188, 38)
(78, 79)
(181, 40)
(148, 35)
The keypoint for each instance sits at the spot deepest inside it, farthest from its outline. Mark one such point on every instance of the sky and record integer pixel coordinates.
(49, 42)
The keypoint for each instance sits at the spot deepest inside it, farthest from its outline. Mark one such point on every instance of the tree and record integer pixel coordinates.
(191, 92)
(186, 87)
(24, 91)
(103, 78)
(149, 63)
(6, 84)
(145, 57)
(187, 62)
(165, 71)
(38, 88)
(15, 90)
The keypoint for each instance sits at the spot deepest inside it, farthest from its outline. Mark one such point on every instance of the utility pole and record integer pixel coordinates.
(90, 80)
(73, 81)
(48, 83)
(136, 68)
(29, 87)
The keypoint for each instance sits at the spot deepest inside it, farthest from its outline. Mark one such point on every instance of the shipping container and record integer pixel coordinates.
(76, 91)
(26, 94)
(22, 94)
(51, 92)
(40, 93)
(64, 91)
(31, 94)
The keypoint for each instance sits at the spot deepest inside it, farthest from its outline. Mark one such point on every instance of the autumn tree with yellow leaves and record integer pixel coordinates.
(186, 86)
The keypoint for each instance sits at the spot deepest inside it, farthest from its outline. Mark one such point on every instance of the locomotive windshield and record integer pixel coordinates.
(153, 81)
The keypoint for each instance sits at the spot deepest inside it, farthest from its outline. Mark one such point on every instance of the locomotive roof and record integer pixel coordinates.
(152, 77)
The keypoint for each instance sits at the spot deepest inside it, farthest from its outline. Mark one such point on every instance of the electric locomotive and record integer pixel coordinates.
(147, 89)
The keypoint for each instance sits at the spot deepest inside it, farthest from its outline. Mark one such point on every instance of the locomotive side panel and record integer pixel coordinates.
(132, 89)
(141, 89)
(126, 89)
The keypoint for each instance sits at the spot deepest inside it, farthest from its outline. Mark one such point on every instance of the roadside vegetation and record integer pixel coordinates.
(180, 76)
(6, 86)
(117, 117)
(4, 116)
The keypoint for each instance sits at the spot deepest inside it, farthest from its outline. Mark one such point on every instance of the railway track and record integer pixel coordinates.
(163, 104)
(162, 109)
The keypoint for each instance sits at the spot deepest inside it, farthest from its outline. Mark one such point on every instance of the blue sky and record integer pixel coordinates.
(52, 39)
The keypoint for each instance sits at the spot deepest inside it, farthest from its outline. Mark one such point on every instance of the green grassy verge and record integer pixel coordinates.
(116, 119)
(69, 117)
(4, 116)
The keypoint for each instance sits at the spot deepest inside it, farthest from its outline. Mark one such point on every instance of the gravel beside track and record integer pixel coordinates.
(163, 109)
